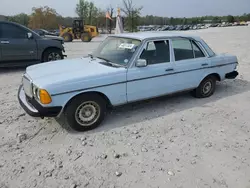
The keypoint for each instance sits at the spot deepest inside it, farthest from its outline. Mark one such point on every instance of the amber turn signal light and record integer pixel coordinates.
(44, 97)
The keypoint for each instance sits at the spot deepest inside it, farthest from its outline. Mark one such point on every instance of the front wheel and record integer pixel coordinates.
(206, 87)
(52, 55)
(85, 37)
(67, 37)
(85, 112)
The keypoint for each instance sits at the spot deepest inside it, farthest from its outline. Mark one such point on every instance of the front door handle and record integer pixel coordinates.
(5, 42)
(169, 69)
(204, 64)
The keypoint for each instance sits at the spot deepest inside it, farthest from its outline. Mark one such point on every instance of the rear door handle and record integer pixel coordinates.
(204, 64)
(5, 42)
(169, 69)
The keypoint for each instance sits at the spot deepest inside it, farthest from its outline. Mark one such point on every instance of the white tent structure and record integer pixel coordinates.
(119, 25)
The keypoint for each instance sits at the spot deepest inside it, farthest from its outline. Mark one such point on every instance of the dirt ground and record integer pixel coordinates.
(175, 142)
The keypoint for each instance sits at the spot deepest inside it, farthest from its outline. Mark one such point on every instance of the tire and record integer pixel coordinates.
(52, 54)
(91, 102)
(67, 37)
(206, 87)
(85, 37)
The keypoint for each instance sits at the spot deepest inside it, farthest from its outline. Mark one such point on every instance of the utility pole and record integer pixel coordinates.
(132, 24)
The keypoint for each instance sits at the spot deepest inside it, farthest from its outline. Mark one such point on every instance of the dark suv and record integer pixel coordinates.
(19, 45)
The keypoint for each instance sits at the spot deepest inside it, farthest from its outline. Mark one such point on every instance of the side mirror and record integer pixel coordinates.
(29, 35)
(141, 63)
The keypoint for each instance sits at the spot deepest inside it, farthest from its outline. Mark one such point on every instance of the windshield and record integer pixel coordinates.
(117, 50)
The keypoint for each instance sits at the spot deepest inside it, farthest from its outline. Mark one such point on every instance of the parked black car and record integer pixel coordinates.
(179, 27)
(171, 28)
(43, 32)
(21, 46)
(185, 27)
(214, 25)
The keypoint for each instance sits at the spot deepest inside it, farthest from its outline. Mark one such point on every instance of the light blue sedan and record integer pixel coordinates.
(124, 68)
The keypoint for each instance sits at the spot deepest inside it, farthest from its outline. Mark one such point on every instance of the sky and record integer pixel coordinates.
(167, 8)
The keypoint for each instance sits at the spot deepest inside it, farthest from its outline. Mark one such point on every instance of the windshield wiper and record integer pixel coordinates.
(90, 55)
(103, 59)
(110, 63)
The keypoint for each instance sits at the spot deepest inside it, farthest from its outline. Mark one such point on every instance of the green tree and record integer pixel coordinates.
(216, 19)
(100, 18)
(185, 21)
(82, 10)
(43, 17)
(94, 16)
(91, 10)
(230, 18)
(132, 14)
(20, 18)
(171, 21)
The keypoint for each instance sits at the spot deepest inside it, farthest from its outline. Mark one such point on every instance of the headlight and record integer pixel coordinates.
(41, 94)
(236, 66)
(35, 91)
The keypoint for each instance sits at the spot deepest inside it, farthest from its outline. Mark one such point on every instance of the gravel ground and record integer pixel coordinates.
(176, 141)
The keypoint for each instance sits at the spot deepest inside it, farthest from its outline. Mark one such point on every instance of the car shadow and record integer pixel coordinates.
(131, 114)
(4, 70)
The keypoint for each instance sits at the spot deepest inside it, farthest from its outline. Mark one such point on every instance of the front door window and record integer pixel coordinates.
(156, 52)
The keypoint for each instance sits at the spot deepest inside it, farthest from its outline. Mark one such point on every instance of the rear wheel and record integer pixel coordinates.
(206, 87)
(85, 112)
(85, 37)
(67, 37)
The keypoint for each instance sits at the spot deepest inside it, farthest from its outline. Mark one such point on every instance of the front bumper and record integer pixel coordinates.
(33, 108)
(232, 75)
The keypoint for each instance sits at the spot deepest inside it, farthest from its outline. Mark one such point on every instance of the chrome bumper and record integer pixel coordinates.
(34, 109)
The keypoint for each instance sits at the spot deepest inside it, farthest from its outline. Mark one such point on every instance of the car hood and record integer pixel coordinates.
(70, 71)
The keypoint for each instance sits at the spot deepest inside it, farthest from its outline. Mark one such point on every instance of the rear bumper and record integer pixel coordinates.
(34, 109)
(232, 75)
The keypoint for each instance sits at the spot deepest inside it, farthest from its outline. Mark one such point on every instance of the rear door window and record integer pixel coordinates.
(197, 51)
(182, 49)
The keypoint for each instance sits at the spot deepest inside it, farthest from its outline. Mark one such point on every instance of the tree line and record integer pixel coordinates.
(47, 17)
(156, 20)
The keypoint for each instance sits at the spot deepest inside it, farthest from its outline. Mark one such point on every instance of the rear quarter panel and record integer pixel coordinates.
(219, 63)
(223, 64)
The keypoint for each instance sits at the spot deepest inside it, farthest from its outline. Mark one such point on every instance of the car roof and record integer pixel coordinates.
(20, 25)
(155, 34)
(10, 22)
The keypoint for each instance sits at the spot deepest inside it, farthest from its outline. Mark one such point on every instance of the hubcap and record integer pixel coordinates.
(54, 56)
(207, 87)
(87, 113)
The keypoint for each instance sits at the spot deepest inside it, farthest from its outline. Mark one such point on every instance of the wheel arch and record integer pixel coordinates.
(216, 75)
(50, 48)
(102, 95)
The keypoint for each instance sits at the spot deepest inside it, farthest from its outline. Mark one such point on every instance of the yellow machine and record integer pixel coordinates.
(78, 31)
